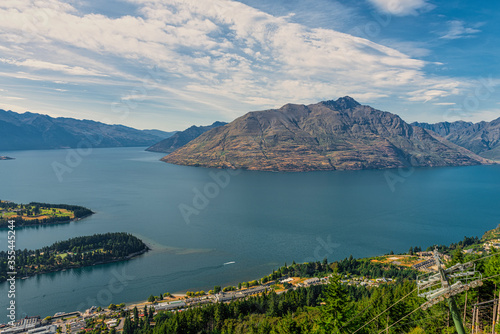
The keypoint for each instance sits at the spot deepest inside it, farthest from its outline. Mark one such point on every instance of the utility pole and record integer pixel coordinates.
(465, 307)
(438, 287)
(451, 300)
(495, 306)
(477, 320)
(474, 320)
(498, 308)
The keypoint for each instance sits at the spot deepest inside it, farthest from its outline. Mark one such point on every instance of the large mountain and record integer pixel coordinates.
(482, 138)
(328, 135)
(181, 138)
(31, 131)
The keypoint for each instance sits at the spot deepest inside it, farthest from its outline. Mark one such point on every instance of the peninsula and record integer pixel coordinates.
(74, 253)
(36, 214)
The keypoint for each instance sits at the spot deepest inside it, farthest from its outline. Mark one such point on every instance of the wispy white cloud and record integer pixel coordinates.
(11, 98)
(437, 90)
(457, 29)
(402, 7)
(219, 54)
(43, 65)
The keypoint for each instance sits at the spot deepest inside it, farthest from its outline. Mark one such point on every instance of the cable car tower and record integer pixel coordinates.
(446, 283)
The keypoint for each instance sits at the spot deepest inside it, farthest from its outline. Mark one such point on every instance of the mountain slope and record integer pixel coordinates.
(160, 134)
(482, 138)
(31, 131)
(328, 135)
(181, 138)
(444, 128)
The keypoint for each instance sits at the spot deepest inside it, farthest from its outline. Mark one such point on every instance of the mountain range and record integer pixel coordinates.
(181, 138)
(30, 131)
(482, 138)
(329, 135)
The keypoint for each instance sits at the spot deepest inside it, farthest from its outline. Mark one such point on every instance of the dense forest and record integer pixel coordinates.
(72, 253)
(35, 213)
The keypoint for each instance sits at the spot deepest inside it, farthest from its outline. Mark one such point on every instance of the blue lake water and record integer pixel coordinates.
(259, 220)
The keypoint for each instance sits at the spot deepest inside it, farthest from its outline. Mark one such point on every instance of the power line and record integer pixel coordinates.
(484, 279)
(387, 309)
(420, 320)
(484, 257)
(361, 312)
(415, 310)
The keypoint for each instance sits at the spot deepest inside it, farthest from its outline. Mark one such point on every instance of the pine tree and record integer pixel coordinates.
(127, 326)
(337, 309)
(136, 318)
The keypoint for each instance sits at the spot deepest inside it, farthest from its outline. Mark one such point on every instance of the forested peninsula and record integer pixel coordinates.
(72, 253)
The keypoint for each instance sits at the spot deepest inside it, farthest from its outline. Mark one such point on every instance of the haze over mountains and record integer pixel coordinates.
(30, 131)
(329, 135)
(181, 138)
(482, 138)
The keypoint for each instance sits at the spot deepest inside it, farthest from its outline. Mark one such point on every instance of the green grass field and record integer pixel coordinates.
(44, 213)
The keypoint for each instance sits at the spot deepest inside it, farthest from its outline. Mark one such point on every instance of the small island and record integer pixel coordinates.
(73, 253)
(3, 157)
(36, 214)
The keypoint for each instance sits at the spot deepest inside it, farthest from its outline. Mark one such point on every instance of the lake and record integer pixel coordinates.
(198, 219)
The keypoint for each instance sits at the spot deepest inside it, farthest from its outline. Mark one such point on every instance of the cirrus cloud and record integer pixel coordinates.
(401, 7)
(221, 56)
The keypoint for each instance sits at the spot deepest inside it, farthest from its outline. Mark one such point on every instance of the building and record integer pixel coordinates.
(312, 281)
(23, 325)
(226, 297)
(170, 306)
(50, 329)
(111, 323)
(425, 264)
(253, 291)
(285, 280)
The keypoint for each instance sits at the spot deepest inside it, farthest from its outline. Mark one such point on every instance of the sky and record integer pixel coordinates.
(169, 64)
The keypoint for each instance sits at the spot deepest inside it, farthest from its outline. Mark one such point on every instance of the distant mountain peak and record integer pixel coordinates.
(342, 103)
(330, 135)
(181, 138)
(482, 138)
(32, 131)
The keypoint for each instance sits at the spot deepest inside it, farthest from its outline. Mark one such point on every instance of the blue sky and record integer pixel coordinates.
(168, 64)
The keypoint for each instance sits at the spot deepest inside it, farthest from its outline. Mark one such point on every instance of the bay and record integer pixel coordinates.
(259, 220)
